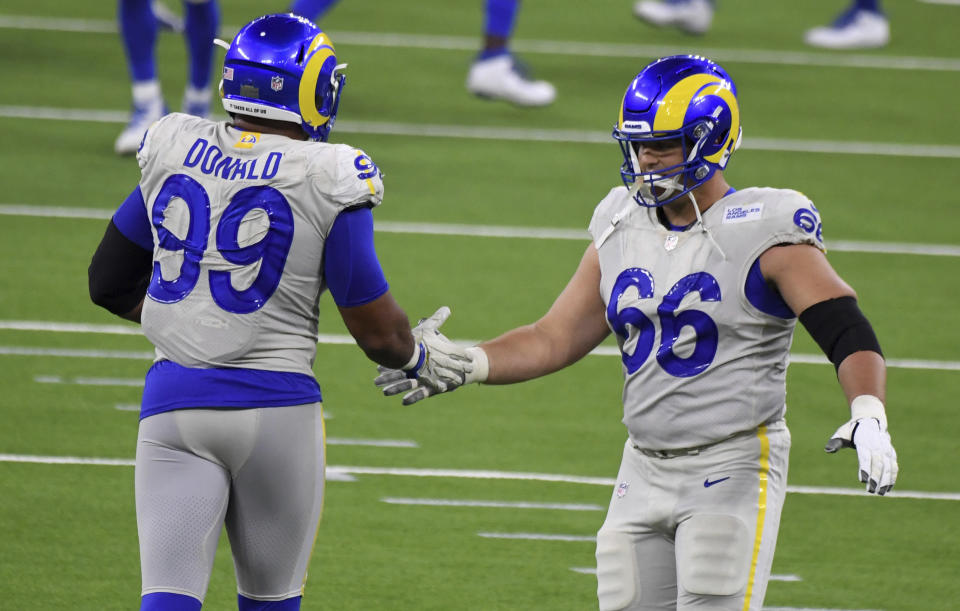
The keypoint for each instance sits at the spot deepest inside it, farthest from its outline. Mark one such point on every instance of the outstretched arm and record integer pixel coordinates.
(574, 325)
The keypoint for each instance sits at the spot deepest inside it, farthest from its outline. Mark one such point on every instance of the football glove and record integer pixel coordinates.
(866, 432)
(438, 365)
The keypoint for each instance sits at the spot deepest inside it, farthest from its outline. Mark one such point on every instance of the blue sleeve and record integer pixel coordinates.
(132, 220)
(350, 263)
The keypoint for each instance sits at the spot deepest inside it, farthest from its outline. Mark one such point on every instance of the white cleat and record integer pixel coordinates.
(128, 142)
(498, 78)
(692, 16)
(855, 29)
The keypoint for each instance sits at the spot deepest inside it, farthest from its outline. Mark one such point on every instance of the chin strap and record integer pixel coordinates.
(703, 228)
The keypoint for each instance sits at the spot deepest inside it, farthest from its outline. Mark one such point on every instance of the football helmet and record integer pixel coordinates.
(686, 100)
(283, 67)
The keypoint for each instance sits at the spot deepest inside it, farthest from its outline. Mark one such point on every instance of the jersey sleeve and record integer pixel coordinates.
(351, 268)
(793, 220)
(607, 214)
(356, 180)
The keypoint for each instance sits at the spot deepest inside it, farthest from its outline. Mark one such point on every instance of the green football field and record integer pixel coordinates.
(489, 498)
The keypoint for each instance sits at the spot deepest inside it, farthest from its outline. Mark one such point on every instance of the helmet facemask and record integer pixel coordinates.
(661, 186)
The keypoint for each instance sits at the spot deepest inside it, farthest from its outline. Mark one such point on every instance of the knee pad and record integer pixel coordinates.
(616, 571)
(713, 555)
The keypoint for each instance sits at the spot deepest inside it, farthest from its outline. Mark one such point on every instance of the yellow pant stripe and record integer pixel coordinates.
(761, 511)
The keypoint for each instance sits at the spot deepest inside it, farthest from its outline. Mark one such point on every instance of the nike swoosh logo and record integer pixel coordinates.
(707, 483)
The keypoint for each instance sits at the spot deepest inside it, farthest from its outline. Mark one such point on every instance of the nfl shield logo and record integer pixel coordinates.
(622, 489)
(276, 83)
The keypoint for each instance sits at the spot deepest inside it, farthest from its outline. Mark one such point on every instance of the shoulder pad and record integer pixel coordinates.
(162, 130)
(357, 179)
(789, 215)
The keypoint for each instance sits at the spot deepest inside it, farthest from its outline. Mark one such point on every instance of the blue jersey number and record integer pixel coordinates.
(671, 323)
(271, 251)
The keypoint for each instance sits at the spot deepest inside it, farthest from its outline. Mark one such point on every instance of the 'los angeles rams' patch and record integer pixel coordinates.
(743, 214)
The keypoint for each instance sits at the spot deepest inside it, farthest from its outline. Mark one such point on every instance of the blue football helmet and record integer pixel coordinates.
(684, 100)
(283, 67)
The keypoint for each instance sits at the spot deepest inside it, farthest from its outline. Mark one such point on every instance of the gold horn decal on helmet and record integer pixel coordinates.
(308, 81)
(727, 96)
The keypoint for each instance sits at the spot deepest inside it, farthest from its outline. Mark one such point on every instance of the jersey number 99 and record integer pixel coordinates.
(271, 251)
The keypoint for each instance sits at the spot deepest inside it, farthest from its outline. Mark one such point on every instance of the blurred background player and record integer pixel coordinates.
(495, 73)
(139, 24)
(703, 285)
(862, 25)
(222, 253)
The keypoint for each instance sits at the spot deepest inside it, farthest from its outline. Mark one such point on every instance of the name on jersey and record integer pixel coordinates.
(209, 159)
(742, 214)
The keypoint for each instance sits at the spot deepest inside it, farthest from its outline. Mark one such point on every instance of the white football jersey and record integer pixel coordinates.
(704, 342)
(239, 222)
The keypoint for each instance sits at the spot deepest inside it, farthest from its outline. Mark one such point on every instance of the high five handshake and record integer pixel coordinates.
(438, 365)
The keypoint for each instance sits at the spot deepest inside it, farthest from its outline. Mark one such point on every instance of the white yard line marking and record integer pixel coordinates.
(536, 537)
(586, 570)
(76, 353)
(889, 149)
(484, 474)
(812, 609)
(375, 443)
(88, 381)
(803, 359)
(492, 504)
(549, 47)
(501, 231)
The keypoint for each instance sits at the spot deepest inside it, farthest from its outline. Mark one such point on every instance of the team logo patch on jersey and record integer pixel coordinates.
(743, 214)
(247, 140)
(276, 83)
(622, 489)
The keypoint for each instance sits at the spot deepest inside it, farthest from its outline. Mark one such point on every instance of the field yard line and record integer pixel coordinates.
(802, 359)
(502, 231)
(889, 149)
(483, 474)
(492, 504)
(586, 570)
(537, 537)
(373, 443)
(88, 381)
(547, 47)
(76, 353)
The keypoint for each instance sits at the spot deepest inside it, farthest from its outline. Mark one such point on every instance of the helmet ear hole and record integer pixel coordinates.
(300, 55)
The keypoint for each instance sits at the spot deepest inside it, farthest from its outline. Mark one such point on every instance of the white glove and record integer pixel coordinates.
(867, 433)
(438, 365)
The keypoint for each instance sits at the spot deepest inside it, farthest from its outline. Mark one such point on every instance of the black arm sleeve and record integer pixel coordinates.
(839, 328)
(119, 272)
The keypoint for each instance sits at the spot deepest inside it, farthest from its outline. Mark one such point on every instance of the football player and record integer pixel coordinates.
(139, 22)
(495, 73)
(702, 285)
(862, 25)
(222, 253)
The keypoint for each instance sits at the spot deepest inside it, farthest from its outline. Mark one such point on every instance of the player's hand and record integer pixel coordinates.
(867, 433)
(442, 366)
